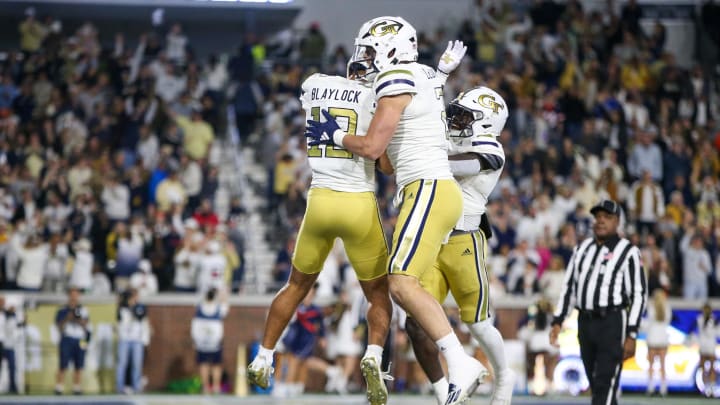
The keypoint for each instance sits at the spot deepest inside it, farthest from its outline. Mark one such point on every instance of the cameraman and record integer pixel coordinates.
(72, 321)
(133, 335)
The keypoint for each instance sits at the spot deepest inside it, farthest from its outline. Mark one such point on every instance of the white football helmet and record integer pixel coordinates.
(382, 42)
(479, 111)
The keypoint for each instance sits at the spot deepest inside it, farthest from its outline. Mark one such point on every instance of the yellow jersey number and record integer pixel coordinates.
(350, 128)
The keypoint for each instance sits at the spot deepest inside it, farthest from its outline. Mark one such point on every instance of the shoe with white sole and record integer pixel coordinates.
(504, 384)
(464, 380)
(260, 371)
(374, 380)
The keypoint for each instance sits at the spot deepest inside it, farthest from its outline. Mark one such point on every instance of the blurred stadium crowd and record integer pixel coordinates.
(109, 163)
(110, 152)
(107, 148)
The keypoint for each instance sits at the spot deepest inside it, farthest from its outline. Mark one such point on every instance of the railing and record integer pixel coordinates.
(255, 300)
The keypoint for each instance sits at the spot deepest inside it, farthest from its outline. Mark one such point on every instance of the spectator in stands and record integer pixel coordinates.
(143, 281)
(216, 77)
(129, 246)
(55, 214)
(696, 266)
(563, 204)
(207, 333)
(176, 44)
(72, 322)
(81, 276)
(32, 256)
(187, 261)
(231, 255)
(551, 281)
(148, 147)
(676, 163)
(54, 276)
(211, 268)
(284, 176)
(170, 83)
(676, 208)
(312, 45)
(522, 269)
(530, 225)
(708, 207)
(646, 204)
(205, 216)
(248, 104)
(32, 33)
(191, 177)
(133, 329)
(116, 199)
(197, 134)
(170, 191)
(100, 282)
(503, 233)
(79, 177)
(646, 156)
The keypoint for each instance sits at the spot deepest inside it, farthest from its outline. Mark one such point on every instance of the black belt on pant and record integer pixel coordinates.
(599, 313)
(456, 232)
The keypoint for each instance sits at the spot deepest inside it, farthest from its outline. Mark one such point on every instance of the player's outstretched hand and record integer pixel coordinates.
(452, 57)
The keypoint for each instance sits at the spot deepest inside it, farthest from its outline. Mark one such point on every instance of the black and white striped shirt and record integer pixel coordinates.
(602, 276)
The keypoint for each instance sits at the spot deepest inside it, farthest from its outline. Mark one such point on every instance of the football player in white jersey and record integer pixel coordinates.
(475, 119)
(409, 125)
(340, 179)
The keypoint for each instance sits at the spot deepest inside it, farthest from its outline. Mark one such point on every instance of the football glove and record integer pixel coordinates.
(452, 57)
(321, 133)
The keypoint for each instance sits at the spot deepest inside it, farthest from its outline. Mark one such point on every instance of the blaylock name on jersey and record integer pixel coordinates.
(351, 96)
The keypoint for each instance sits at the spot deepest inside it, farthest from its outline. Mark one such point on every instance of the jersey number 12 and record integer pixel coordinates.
(351, 127)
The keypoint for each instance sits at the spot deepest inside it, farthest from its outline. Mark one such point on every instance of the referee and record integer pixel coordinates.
(605, 281)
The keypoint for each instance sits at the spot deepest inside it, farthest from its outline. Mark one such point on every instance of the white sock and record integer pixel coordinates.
(77, 388)
(441, 388)
(492, 344)
(59, 387)
(374, 351)
(267, 353)
(451, 349)
(332, 371)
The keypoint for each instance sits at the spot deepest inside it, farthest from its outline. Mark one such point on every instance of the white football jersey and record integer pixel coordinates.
(477, 188)
(350, 103)
(418, 149)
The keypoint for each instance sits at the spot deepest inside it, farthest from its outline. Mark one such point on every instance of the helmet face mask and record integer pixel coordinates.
(361, 66)
(460, 120)
(381, 43)
(477, 113)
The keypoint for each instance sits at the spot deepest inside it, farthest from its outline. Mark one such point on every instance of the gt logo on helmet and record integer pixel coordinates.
(488, 101)
(385, 27)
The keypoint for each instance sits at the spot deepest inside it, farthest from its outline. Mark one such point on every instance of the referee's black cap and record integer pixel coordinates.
(609, 206)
